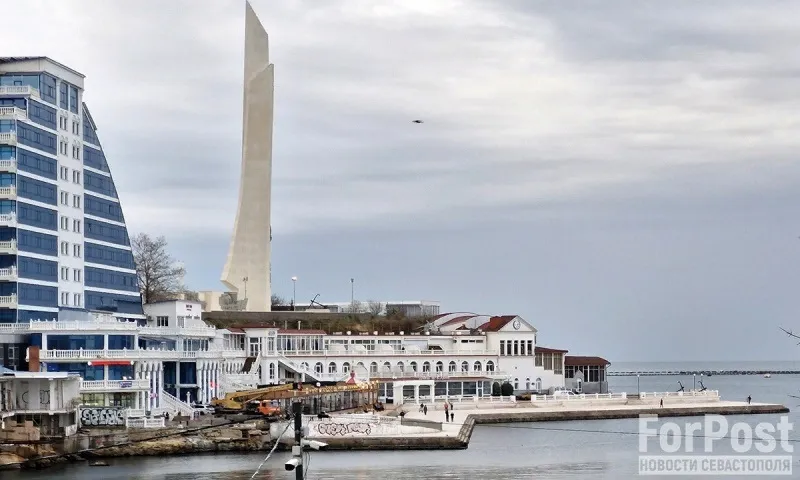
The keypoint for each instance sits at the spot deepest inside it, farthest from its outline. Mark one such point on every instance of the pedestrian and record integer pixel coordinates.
(452, 417)
(662, 403)
(446, 413)
(421, 406)
(748, 399)
(425, 410)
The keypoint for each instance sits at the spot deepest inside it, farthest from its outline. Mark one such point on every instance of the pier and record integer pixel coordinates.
(708, 373)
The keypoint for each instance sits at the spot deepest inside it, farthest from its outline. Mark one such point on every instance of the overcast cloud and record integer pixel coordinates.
(624, 174)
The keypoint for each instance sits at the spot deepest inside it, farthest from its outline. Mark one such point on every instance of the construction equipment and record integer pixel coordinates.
(267, 408)
(235, 402)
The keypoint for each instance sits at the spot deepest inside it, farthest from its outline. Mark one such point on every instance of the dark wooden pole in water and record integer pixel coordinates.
(297, 408)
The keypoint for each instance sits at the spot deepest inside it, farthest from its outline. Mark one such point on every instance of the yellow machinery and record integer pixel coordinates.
(237, 401)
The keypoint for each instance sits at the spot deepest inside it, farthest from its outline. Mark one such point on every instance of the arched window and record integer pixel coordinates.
(387, 367)
(490, 366)
(465, 366)
(451, 367)
(477, 367)
(305, 366)
(346, 367)
(439, 366)
(318, 367)
(426, 366)
(413, 366)
(516, 384)
(331, 367)
(539, 384)
(373, 368)
(400, 367)
(527, 384)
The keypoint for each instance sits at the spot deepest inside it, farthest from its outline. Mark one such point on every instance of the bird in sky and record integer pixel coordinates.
(416, 121)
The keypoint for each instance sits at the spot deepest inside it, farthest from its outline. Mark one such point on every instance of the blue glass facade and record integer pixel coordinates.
(55, 169)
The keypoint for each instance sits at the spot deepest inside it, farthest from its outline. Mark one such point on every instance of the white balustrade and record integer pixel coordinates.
(8, 219)
(144, 422)
(13, 113)
(9, 301)
(8, 137)
(19, 90)
(8, 246)
(9, 273)
(178, 331)
(9, 165)
(578, 397)
(8, 191)
(108, 385)
(388, 353)
(174, 403)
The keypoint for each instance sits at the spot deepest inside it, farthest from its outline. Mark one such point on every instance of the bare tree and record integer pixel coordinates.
(277, 300)
(355, 307)
(160, 278)
(374, 308)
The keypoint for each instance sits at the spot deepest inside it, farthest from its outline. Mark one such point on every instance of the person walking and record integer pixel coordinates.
(425, 410)
(452, 416)
(749, 399)
(446, 413)
(662, 403)
(421, 406)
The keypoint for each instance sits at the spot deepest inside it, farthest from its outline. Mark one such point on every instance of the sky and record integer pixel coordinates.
(622, 175)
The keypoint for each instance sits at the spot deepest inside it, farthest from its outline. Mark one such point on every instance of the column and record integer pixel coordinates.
(52, 386)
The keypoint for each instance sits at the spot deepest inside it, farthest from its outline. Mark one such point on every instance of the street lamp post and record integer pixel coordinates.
(245, 279)
(294, 293)
(352, 291)
(694, 381)
(638, 391)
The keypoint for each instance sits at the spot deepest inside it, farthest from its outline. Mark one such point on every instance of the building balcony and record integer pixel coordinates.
(8, 138)
(178, 331)
(8, 219)
(17, 90)
(8, 166)
(13, 113)
(8, 247)
(390, 353)
(8, 274)
(8, 192)
(9, 301)
(47, 326)
(99, 386)
(124, 354)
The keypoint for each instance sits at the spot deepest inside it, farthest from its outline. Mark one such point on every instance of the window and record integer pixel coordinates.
(76, 226)
(502, 347)
(64, 273)
(76, 152)
(76, 201)
(64, 198)
(64, 298)
(64, 172)
(451, 367)
(13, 355)
(537, 362)
(76, 176)
(64, 223)
(76, 299)
(64, 248)
(76, 274)
(162, 321)
(331, 367)
(76, 129)
(548, 361)
(62, 147)
(62, 122)
(76, 250)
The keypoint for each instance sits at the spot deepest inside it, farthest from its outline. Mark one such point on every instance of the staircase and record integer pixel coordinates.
(173, 403)
(362, 373)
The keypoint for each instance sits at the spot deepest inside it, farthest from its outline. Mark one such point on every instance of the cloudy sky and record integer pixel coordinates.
(623, 175)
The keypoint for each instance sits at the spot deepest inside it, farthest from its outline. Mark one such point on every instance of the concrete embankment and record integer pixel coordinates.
(457, 435)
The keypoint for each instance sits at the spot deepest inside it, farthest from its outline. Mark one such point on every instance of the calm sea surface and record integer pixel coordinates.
(606, 449)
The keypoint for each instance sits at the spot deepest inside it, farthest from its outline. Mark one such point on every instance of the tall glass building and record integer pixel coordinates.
(64, 245)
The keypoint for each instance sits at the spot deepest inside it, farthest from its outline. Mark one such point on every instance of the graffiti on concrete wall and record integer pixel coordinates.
(103, 416)
(341, 429)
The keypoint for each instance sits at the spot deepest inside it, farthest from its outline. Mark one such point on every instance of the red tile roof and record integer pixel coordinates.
(578, 361)
(456, 320)
(548, 350)
(495, 324)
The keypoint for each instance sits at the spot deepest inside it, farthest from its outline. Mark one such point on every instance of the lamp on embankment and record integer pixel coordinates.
(638, 391)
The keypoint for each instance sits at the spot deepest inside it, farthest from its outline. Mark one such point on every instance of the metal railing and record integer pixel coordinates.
(690, 393)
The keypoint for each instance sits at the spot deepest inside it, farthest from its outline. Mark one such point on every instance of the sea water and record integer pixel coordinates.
(606, 449)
